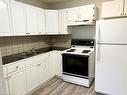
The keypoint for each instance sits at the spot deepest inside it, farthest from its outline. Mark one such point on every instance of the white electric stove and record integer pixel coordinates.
(78, 62)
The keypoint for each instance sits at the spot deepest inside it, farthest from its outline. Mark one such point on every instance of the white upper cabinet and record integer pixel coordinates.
(41, 21)
(32, 20)
(73, 14)
(79, 15)
(125, 7)
(63, 16)
(5, 23)
(87, 12)
(19, 18)
(113, 8)
(51, 17)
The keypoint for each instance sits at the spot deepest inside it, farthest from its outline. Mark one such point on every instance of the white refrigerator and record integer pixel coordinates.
(111, 57)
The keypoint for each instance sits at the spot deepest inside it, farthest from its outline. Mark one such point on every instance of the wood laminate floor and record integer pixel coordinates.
(57, 86)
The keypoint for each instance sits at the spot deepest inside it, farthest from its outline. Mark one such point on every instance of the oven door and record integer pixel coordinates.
(75, 65)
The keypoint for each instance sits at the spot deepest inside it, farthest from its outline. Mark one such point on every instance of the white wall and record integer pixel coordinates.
(83, 32)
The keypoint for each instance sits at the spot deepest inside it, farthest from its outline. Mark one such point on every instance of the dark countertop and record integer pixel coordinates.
(24, 55)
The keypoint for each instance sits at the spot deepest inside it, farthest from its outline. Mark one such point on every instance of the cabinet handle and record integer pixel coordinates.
(125, 13)
(39, 33)
(122, 14)
(17, 67)
(27, 33)
(38, 64)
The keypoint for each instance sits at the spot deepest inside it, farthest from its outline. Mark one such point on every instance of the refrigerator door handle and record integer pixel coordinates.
(98, 55)
(98, 33)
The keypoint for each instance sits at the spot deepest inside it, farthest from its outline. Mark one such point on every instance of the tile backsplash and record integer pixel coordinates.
(61, 41)
(13, 45)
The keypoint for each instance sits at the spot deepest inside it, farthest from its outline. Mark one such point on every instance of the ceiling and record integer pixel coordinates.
(52, 1)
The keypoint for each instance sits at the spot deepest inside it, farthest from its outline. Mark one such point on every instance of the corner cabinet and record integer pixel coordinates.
(5, 18)
(52, 25)
(114, 8)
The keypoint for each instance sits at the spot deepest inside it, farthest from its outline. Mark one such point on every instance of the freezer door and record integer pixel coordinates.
(112, 31)
(111, 69)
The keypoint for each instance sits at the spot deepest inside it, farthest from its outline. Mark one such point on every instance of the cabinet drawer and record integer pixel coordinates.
(36, 59)
(15, 66)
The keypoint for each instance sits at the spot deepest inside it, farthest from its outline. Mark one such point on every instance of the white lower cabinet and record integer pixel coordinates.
(55, 63)
(51, 64)
(22, 77)
(17, 84)
(43, 71)
(58, 63)
(32, 77)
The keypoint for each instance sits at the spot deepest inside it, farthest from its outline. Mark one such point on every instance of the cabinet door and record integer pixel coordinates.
(43, 71)
(58, 63)
(51, 65)
(112, 8)
(41, 21)
(19, 18)
(32, 20)
(87, 12)
(73, 15)
(125, 8)
(51, 21)
(17, 83)
(63, 16)
(5, 28)
(7, 88)
(32, 77)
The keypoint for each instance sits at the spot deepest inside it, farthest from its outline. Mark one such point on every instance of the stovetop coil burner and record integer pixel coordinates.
(71, 50)
(86, 51)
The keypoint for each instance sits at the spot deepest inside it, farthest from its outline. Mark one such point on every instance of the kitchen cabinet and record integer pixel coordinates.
(32, 20)
(37, 70)
(82, 14)
(113, 8)
(32, 77)
(63, 17)
(55, 64)
(87, 12)
(73, 15)
(58, 64)
(25, 75)
(51, 65)
(43, 71)
(17, 84)
(5, 18)
(51, 17)
(41, 21)
(16, 78)
(19, 18)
